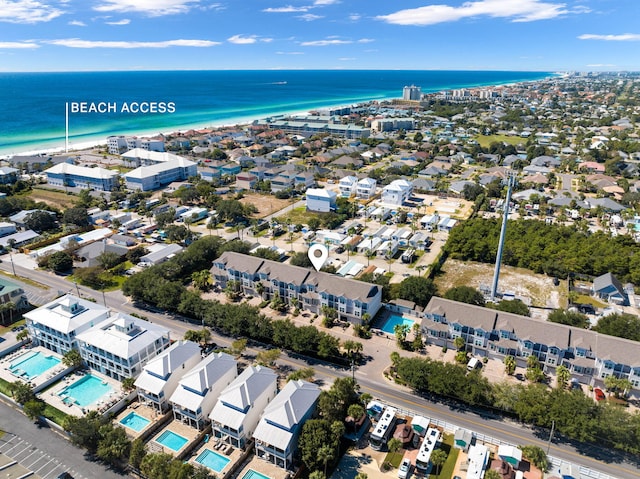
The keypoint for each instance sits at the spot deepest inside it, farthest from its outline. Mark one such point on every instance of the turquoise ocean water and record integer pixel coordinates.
(34, 103)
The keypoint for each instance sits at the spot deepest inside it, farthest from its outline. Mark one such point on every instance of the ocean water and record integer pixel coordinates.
(34, 103)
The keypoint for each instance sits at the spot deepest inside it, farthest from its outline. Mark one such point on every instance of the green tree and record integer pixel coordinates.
(109, 259)
(514, 306)
(562, 316)
(22, 335)
(137, 453)
(562, 376)
(114, 445)
(438, 458)
(305, 374)
(40, 221)
(72, 359)
(316, 434)
(85, 431)
(268, 357)
(21, 392)
(317, 475)
(201, 279)
(459, 343)
(33, 409)
(326, 454)
(156, 465)
(356, 411)
(76, 216)
(400, 331)
(492, 474)
(620, 325)
(417, 289)
(537, 456)
(238, 346)
(60, 262)
(394, 444)
(465, 294)
(353, 349)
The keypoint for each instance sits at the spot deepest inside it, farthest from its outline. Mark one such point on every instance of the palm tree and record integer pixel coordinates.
(325, 456)
(562, 376)
(201, 279)
(352, 348)
(438, 458)
(510, 364)
(394, 445)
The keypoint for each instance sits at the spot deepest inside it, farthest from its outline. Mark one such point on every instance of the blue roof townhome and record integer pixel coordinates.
(65, 174)
(276, 437)
(160, 376)
(153, 177)
(608, 287)
(200, 387)
(121, 345)
(57, 324)
(321, 200)
(237, 412)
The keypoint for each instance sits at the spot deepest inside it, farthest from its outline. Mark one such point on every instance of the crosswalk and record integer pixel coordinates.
(40, 463)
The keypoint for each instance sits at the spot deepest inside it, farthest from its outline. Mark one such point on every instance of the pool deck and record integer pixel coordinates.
(38, 382)
(177, 427)
(145, 411)
(218, 446)
(263, 467)
(51, 396)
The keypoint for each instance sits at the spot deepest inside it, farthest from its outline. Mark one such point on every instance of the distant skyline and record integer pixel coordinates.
(527, 35)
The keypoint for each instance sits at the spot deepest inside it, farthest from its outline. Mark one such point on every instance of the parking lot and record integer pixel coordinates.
(33, 459)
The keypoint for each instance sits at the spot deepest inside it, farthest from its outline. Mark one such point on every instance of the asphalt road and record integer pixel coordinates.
(371, 380)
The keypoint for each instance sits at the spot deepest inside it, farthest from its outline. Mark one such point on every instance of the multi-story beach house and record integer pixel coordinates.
(590, 356)
(321, 200)
(396, 192)
(160, 376)
(351, 299)
(200, 387)
(366, 188)
(65, 174)
(57, 324)
(238, 409)
(121, 345)
(347, 186)
(10, 292)
(277, 433)
(153, 177)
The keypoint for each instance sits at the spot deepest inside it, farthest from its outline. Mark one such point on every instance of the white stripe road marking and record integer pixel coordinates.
(48, 462)
(21, 441)
(30, 466)
(22, 461)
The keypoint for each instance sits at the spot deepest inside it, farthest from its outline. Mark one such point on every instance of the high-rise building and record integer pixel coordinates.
(411, 93)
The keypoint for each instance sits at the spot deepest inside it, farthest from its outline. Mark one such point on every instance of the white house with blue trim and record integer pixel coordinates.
(321, 200)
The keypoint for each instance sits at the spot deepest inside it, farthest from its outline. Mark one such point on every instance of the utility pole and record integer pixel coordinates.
(553, 425)
(510, 181)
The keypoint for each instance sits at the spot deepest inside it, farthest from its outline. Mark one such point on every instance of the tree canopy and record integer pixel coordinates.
(465, 294)
(417, 289)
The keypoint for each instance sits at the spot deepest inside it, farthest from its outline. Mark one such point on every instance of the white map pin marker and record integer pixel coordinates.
(318, 254)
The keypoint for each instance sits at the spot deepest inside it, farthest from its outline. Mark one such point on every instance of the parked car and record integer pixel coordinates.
(599, 394)
(404, 469)
(64, 475)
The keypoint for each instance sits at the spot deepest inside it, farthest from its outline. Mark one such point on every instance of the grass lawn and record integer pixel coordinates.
(54, 414)
(298, 216)
(394, 458)
(56, 199)
(4, 387)
(6, 329)
(485, 141)
(446, 471)
(584, 299)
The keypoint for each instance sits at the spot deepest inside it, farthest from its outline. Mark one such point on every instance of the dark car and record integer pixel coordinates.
(64, 475)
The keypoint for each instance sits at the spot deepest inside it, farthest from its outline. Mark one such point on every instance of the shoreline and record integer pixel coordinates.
(94, 141)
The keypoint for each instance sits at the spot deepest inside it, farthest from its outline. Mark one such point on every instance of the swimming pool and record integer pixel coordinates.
(394, 320)
(134, 421)
(86, 391)
(214, 461)
(173, 441)
(31, 365)
(251, 474)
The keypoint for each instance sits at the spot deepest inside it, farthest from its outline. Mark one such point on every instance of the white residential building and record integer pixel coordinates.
(366, 188)
(57, 324)
(396, 192)
(411, 93)
(199, 388)
(153, 177)
(160, 376)
(65, 174)
(347, 186)
(120, 144)
(321, 200)
(276, 436)
(477, 461)
(237, 412)
(121, 345)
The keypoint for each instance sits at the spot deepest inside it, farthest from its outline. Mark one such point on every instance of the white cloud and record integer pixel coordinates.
(517, 11)
(322, 3)
(78, 43)
(354, 17)
(240, 40)
(77, 23)
(154, 8)
(287, 9)
(27, 11)
(124, 21)
(624, 37)
(324, 43)
(346, 59)
(18, 45)
(289, 53)
(601, 65)
(309, 17)
(366, 40)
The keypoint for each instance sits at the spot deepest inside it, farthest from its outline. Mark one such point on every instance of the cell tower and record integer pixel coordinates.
(510, 181)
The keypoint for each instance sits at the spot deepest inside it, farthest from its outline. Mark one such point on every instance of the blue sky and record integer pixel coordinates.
(538, 35)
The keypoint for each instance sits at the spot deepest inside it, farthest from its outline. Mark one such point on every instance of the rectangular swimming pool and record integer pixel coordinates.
(31, 365)
(214, 461)
(394, 320)
(251, 474)
(86, 391)
(134, 421)
(173, 441)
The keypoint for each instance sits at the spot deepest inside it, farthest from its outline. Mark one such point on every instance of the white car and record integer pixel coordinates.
(405, 468)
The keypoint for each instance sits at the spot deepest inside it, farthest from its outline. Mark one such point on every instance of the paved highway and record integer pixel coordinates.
(371, 380)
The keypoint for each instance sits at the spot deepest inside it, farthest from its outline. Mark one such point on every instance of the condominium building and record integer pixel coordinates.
(121, 345)
(65, 174)
(590, 356)
(351, 299)
(277, 433)
(237, 411)
(57, 324)
(119, 144)
(160, 376)
(152, 177)
(411, 93)
(200, 387)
